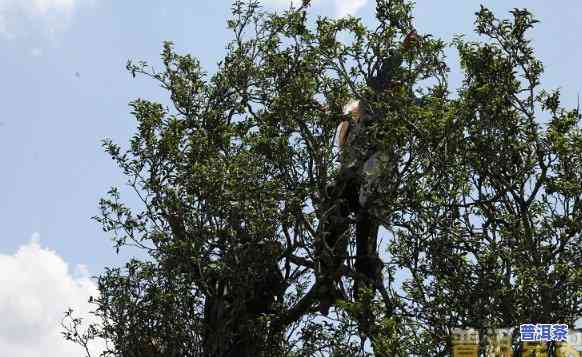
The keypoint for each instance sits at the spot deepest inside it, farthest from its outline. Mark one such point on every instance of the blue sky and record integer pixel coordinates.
(64, 87)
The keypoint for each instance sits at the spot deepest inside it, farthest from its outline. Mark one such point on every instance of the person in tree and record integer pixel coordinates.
(350, 193)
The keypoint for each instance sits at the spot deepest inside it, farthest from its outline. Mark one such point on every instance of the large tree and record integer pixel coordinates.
(261, 236)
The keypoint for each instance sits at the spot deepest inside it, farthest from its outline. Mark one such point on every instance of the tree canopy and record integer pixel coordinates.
(478, 192)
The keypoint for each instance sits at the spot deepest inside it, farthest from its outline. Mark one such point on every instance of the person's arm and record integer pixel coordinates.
(410, 40)
(386, 68)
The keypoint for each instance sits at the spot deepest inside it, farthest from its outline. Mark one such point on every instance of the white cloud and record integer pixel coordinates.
(36, 287)
(36, 52)
(348, 7)
(340, 7)
(285, 3)
(42, 7)
(3, 28)
(49, 16)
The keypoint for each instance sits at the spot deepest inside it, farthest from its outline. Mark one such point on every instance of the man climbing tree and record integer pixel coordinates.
(259, 245)
(351, 191)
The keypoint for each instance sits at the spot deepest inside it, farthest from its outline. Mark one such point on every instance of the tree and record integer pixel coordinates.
(250, 219)
(505, 248)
